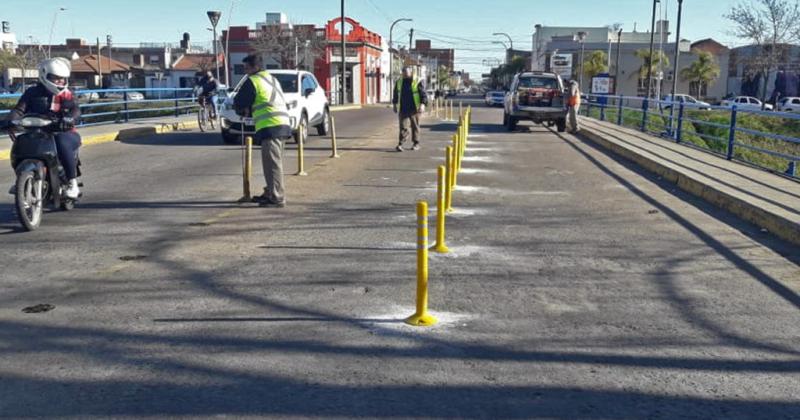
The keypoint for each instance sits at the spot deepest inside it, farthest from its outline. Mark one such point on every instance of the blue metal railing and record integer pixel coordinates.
(105, 106)
(718, 126)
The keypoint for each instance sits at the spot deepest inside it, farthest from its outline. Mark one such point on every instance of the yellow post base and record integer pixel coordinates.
(440, 249)
(421, 320)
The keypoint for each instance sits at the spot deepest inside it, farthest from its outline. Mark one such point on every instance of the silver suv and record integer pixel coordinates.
(536, 96)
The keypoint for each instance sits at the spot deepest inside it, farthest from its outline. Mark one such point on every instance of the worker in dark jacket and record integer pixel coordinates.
(52, 98)
(409, 101)
(261, 97)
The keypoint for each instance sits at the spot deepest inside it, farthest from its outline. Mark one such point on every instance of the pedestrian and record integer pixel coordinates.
(574, 105)
(409, 100)
(261, 97)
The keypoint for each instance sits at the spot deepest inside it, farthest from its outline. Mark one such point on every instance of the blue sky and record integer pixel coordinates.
(134, 21)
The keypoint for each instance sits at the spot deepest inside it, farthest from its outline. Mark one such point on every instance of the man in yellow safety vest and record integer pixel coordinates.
(261, 97)
(409, 101)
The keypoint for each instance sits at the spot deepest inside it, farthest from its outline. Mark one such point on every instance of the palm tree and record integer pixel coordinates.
(703, 71)
(657, 63)
(595, 64)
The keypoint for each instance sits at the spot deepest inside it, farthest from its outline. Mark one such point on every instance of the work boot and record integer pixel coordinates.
(399, 148)
(272, 204)
(415, 147)
(73, 192)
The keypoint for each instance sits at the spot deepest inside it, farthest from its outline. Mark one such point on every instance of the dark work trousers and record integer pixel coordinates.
(67, 144)
(409, 125)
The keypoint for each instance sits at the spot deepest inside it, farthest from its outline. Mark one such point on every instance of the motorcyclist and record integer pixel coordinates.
(51, 97)
(207, 88)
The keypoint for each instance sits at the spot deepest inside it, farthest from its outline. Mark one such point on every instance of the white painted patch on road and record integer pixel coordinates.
(478, 159)
(392, 322)
(472, 171)
(470, 189)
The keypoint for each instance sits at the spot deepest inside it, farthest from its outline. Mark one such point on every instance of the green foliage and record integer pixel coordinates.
(595, 64)
(704, 70)
(658, 62)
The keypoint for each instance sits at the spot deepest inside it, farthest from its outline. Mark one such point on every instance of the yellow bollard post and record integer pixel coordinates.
(300, 155)
(450, 175)
(457, 159)
(461, 108)
(247, 170)
(334, 149)
(421, 317)
(441, 209)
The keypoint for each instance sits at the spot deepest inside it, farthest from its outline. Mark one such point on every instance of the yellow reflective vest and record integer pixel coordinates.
(414, 90)
(269, 107)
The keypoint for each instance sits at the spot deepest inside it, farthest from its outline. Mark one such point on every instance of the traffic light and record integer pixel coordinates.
(108, 40)
(6, 27)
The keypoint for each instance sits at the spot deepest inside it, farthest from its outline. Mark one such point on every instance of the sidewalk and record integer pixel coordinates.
(770, 201)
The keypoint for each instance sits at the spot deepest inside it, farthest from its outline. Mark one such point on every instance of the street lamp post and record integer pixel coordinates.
(52, 28)
(510, 41)
(677, 50)
(214, 16)
(616, 67)
(343, 87)
(650, 57)
(391, 56)
(582, 39)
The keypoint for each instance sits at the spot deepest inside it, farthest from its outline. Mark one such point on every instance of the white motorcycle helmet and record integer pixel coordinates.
(54, 68)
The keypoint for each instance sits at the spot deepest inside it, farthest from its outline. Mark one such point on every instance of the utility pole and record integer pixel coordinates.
(410, 39)
(650, 58)
(616, 67)
(343, 87)
(99, 63)
(110, 66)
(677, 52)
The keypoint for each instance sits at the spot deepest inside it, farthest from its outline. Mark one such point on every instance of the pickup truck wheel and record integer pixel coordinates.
(561, 125)
(511, 123)
(505, 119)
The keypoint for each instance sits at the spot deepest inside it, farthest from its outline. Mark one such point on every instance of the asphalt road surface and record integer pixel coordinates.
(578, 287)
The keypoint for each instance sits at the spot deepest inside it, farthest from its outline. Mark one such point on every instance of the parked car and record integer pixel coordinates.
(536, 96)
(789, 104)
(747, 103)
(494, 98)
(119, 93)
(687, 100)
(308, 107)
(86, 96)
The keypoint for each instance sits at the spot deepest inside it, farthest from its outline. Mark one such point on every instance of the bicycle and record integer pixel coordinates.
(204, 119)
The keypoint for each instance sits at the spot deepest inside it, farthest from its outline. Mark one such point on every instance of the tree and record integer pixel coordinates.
(24, 59)
(281, 44)
(703, 71)
(770, 25)
(657, 63)
(595, 64)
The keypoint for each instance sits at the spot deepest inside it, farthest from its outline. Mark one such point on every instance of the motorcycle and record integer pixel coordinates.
(41, 180)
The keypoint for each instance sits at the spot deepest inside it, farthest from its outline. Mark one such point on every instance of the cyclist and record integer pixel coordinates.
(207, 87)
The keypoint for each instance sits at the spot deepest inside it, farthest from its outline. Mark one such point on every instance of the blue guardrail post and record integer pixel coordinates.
(645, 105)
(732, 134)
(679, 131)
(176, 102)
(619, 109)
(602, 111)
(125, 105)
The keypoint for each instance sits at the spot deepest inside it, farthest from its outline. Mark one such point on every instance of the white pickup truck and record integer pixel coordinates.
(306, 100)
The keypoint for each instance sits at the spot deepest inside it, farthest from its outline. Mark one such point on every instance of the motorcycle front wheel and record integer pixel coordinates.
(29, 200)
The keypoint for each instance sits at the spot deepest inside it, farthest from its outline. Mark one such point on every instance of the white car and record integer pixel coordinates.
(306, 100)
(85, 95)
(687, 100)
(495, 98)
(747, 103)
(789, 104)
(117, 93)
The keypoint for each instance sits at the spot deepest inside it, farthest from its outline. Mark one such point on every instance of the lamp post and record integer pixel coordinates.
(582, 40)
(616, 67)
(677, 51)
(391, 56)
(510, 41)
(343, 87)
(214, 16)
(227, 50)
(52, 28)
(650, 57)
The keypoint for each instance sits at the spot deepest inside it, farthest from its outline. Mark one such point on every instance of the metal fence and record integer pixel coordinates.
(104, 106)
(728, 131)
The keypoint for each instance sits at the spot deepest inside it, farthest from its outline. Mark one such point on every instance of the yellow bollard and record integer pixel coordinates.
(247, 171)
(301, 156)
(334, 149)
(461, 108)
(421, 317)
(450, 175)
(457, 160)
(441, 209)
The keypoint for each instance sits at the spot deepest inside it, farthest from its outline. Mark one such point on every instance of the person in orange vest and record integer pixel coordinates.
(573, 105)
(409, 101)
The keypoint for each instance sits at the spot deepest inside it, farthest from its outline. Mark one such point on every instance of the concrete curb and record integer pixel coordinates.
(780, 226)
(337, 108)
(126, 134)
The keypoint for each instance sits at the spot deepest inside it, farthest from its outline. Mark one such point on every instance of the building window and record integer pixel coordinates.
(154, 59)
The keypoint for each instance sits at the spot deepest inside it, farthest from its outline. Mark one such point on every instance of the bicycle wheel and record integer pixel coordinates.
(202, 119)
